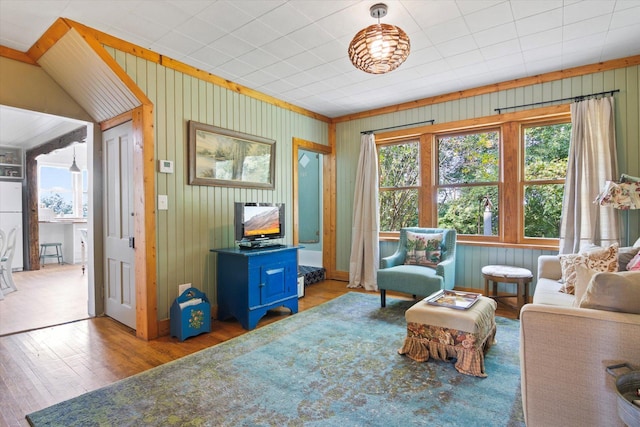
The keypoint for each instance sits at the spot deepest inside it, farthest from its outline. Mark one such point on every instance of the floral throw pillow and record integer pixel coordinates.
(634, 264)
(602, 259)
(423, 249)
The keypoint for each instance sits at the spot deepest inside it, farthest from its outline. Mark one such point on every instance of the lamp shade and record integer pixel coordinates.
(620, 195)
(74, 166)
(379, 48)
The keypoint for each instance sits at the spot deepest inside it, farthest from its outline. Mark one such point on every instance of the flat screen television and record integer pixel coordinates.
(256, 224)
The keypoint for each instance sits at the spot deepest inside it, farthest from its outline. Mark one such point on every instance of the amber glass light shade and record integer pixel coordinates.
(379, 48)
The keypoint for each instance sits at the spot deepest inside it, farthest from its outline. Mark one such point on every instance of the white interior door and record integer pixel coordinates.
(120, 295)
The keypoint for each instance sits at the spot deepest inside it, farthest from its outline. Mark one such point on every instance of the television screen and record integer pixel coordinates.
(258, 221)
(261, 220)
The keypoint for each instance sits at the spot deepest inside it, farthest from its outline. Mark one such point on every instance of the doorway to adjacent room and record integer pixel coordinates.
(55, 294)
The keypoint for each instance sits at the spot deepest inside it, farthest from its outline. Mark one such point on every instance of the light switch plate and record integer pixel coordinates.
(163, 202)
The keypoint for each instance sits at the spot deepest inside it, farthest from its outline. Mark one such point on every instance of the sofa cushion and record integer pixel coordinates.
(613, 292)
(600, 259)
(423, 249)
(584, 275)
(548, 292)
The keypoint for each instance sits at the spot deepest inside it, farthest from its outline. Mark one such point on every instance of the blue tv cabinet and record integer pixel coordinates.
(252, 281)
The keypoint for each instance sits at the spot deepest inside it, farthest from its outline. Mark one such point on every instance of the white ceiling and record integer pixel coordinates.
(28, 129)
(296, 50)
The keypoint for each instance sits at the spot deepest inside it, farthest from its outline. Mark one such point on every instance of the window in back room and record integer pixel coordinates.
(62, 191)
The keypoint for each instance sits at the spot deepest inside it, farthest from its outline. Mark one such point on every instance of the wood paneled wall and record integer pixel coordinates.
(201, 217)
(470, 258)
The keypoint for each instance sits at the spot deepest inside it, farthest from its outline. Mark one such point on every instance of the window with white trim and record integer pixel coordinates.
(62, 191)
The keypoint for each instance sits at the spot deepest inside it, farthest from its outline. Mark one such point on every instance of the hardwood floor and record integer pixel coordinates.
(41, 367)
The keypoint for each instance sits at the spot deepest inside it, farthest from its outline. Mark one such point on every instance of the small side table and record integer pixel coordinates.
(508, 274)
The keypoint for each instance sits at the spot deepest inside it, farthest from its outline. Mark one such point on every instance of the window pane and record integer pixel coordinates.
(470, 210)
(398, 208)
(399, 165)
(543, 209)
(546, 151)
(85, 193)
(471, 158)
(56, 190)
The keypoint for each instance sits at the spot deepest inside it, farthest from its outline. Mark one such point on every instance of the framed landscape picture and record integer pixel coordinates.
(227, 158)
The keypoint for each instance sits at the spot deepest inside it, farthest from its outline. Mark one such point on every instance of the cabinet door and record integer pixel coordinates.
(275, 286)
(11, 163)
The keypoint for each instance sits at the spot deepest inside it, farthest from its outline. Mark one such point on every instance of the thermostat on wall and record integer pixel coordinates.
(166, 166)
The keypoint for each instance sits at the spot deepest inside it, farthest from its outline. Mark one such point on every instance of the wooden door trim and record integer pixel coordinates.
(328, 199)
(144, 219)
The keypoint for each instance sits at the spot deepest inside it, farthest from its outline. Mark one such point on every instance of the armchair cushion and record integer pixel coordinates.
(423, 249)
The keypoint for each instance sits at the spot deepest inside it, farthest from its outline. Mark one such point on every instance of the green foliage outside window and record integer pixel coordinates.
(467, 182)
(472, 158)
(465, 161)
(469, 210)
(398, 209)
(546, 154)
(399, 183)
(543, 210)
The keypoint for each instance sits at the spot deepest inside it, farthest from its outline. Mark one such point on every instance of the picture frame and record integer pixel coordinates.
(227, 158)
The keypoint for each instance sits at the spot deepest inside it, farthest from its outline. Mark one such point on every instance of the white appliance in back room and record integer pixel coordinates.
(11, 216)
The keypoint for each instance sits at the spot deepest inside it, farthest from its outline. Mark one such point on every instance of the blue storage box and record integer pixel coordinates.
(190, 314)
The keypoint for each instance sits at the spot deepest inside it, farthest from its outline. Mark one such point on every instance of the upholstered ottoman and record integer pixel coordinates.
(445, 333)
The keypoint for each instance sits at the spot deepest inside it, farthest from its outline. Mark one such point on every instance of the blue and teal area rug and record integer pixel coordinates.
(334, 365)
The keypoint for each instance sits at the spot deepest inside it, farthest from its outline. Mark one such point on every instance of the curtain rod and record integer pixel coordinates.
(574, 98)
(364, 132)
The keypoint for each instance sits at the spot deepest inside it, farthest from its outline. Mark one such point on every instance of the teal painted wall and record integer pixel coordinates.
(471, 258)
(201, 217)
(309, 195)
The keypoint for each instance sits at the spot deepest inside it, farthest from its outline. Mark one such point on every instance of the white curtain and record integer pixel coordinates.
(592, 162)
(363, 264)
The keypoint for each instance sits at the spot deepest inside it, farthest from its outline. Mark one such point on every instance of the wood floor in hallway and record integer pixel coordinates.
(50, 296)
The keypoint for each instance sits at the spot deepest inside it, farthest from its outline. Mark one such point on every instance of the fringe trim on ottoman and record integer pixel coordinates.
(424, 341)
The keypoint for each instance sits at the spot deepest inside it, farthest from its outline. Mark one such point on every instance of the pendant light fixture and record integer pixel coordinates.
(74, 167)
(379, 48)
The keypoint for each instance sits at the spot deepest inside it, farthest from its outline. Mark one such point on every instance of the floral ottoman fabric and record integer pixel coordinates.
(468, 348)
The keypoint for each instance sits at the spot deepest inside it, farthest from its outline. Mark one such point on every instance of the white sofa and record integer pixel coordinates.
(564, 353)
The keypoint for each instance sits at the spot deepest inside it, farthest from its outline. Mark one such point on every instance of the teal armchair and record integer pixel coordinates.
(395, 275)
